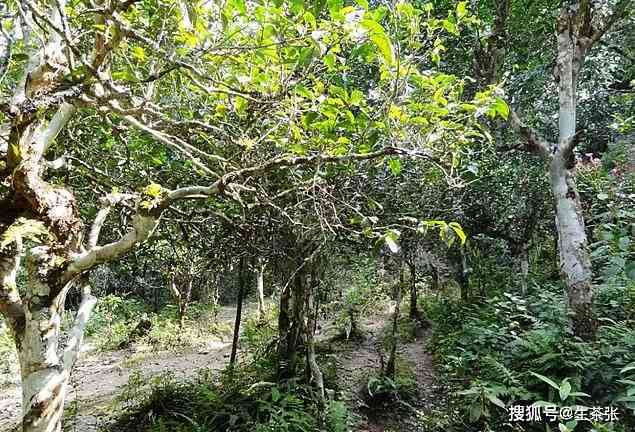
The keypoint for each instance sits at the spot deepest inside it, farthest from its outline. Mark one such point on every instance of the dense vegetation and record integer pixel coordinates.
(317, 215)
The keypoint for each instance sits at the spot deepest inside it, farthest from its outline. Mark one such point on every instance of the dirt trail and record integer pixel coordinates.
(358, 360)
(99, 377)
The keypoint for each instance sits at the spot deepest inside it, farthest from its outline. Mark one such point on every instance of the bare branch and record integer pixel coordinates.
(535, 144)
(171, 141)
(71, 351)
(143, 226)
(107, 202)
(220, 185)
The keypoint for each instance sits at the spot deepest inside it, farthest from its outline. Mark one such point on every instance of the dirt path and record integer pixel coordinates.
(99, 377)
(360, 359)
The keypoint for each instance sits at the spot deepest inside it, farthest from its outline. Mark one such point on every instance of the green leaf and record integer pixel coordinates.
(547, 380)
(379, 38)
(356, 97)
(395, 166)
(565, 389)
(496, 401)
(153, 189)
(329, 61)
(450, 27)
(23, 228)
(459, 232)
(628, 367)
(500, 107)
(138, 53)
(275, 394)
(626, 399)
(391, 238)
(461, 9)
(335, 6)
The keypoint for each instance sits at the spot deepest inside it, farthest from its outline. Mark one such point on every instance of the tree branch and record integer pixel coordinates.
(143, 226)
(535, 144)
(71, 351)
(107, 202)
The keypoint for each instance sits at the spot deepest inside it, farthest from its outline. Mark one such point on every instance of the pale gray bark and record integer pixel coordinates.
(260, 287)
(575, 35)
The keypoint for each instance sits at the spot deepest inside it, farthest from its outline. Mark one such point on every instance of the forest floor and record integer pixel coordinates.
(359, 359)
(101, 376)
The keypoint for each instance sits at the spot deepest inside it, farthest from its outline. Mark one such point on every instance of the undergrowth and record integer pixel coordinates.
(498, 354)
(243, 399)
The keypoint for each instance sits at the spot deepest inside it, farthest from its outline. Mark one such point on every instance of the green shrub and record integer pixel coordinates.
(338, 418)
(242, 400)
(493, 353)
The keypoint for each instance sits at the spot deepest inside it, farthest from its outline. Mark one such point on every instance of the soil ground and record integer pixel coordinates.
(100, 376)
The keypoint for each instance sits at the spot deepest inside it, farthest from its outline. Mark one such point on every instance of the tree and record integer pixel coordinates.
(154, 85)
(576, 34)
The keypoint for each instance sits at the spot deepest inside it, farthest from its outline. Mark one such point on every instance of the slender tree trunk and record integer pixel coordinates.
(434, 274)
(309, 328)
(520, 255)
(414, 311)
(575, 261)
(260, 288)
(298, 316)
(392, 359)
(239, 309)
(464, 277)
(284, 334)
(45, 372)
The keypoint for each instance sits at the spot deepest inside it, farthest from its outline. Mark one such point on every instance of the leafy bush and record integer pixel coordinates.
(113, 319)
(338, 418)
(383, 390)
(239, 401)
(502, 352)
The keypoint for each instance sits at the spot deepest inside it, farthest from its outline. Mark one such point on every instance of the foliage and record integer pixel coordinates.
(8, 357)
(383, 390)
(503, 351)
(116, 320)
(260, 337)
(241, 401)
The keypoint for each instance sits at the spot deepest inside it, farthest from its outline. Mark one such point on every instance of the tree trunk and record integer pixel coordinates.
(44, 381)
(260, 288)
(45, 371)
(464, 277)
(520, 256)
(414, 311)
(242, 282)
(298, 316)
(309, 328)
(434, 273)
(284, 334)
(575, 262)
(392, 359)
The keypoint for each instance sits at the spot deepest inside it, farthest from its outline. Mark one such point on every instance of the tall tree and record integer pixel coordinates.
(576, 34)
